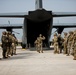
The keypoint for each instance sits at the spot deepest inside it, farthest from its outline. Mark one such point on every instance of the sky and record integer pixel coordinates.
(13, 6)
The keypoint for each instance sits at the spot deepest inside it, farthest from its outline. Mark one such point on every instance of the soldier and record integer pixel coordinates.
(40, 42)
(60, 43)
(74, 45)
(9, 44)
(14, 43)
(65, 43)
(4, 41)
(37, 44)
(69, 41)
(55, 41)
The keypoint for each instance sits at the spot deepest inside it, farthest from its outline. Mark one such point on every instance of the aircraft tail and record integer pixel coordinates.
(38, 4)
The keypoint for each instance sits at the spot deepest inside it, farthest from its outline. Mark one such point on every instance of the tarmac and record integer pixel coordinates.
(30, 62)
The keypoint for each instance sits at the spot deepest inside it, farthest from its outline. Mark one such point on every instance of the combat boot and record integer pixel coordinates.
(67, 55)
(55, 52)
(5, 57)
(58, 52)
(0, 58)
(38, 51)
(42, 51)
(74, 58)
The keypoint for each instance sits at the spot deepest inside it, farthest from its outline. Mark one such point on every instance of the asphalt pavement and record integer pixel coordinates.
(30, 62)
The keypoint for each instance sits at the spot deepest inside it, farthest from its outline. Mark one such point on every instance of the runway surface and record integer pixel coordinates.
(30, 62)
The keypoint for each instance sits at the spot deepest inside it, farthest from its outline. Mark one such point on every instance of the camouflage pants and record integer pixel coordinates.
(69, 48)
(9, 50)
(75, 50)
(4, 48)
(56, 48)
(39, 48)
(65, 48)
(13, 48)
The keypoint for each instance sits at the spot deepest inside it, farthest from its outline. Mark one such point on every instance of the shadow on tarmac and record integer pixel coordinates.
(19, 56)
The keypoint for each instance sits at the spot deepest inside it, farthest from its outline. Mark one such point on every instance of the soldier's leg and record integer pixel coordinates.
(61, 49)
(11, 50)
(58, 49)
(4, 52)
(41, 49)
(14, 52)
(8, 50)
(14, 49)
(54, 48)
(38, 48)
(68, 50)
(64, 50)
(74, 54)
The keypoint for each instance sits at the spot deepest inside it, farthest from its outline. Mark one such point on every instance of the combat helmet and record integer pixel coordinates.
(55, 34)
(65, 33)
(70, 32)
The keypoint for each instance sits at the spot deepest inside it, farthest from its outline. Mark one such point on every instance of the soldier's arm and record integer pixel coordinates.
(43, 38)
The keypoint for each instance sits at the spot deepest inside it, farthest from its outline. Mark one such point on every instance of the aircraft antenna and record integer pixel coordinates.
(8, 22)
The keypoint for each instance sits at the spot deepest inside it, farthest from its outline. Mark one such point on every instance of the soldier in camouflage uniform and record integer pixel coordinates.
(37, 44)
(60, 43)
(65, 43)
(69, 41)
(14, 43)
(55, 41)
(9, 45)
(4, 41)
(41, 38)
(74, 45)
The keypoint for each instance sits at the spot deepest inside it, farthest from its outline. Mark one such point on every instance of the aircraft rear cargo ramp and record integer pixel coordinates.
(38, 22)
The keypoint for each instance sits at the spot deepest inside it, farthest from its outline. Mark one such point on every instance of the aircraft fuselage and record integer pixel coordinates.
(40, 23)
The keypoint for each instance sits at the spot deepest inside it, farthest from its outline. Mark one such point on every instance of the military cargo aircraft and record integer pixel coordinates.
(38, 21)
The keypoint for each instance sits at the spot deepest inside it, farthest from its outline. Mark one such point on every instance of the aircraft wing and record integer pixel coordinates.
(13, 26)
(64, 25)
(63, 14)
(22, 15)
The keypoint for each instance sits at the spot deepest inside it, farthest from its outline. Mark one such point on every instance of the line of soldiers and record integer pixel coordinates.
(66, 44)
(9, 42)
(39, 43)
